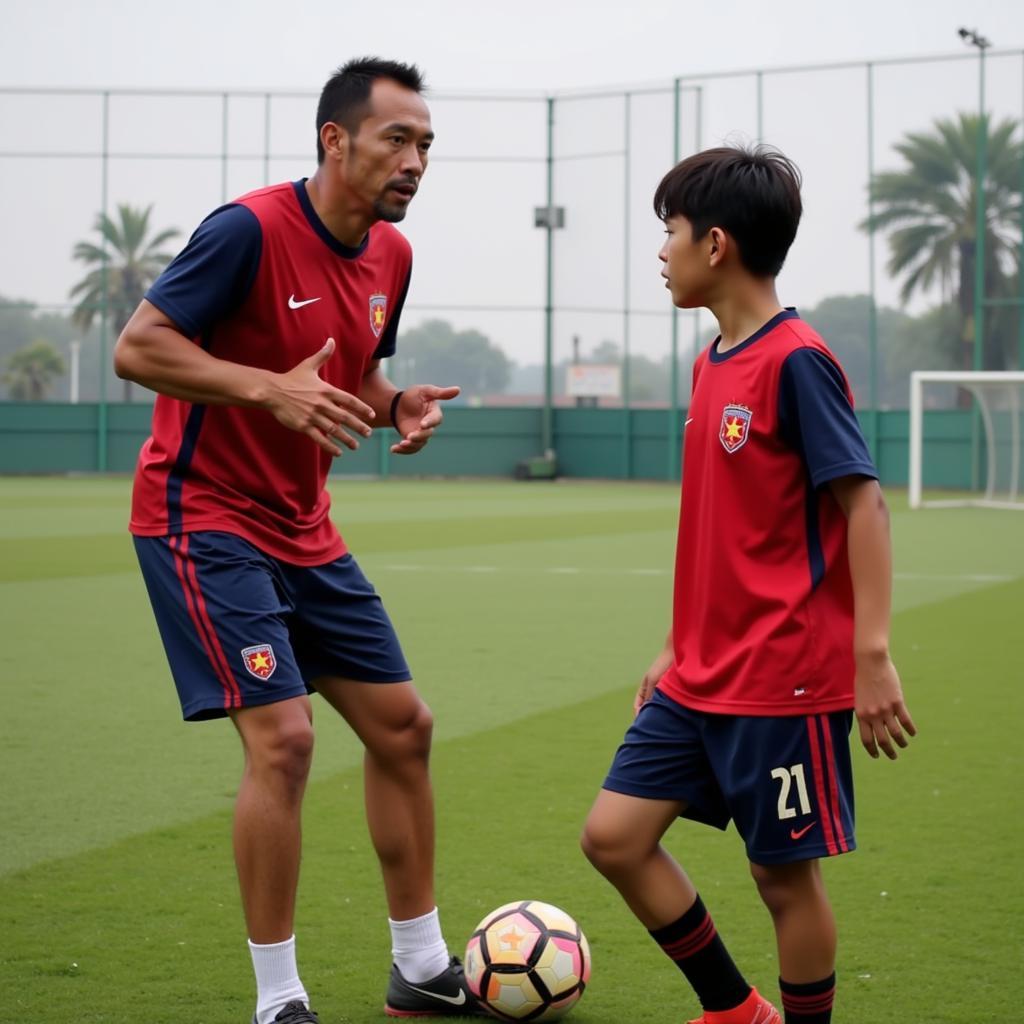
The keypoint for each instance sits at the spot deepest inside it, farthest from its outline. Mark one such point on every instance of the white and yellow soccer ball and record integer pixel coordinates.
(528, 961)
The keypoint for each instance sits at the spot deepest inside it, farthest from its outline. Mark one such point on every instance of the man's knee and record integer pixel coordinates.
(404, 738)
(283, 748)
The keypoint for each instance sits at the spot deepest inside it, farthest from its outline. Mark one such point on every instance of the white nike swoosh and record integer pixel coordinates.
(688, 422)
(454, 1000)
(292, 304)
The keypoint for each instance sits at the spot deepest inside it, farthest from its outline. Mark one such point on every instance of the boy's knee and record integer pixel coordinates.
(606, 847)
(782, 885)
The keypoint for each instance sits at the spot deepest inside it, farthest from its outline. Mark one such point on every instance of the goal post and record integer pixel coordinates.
(1000, 399)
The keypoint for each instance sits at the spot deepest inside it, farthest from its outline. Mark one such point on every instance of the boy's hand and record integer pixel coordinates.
(882, 715)
(659, 667)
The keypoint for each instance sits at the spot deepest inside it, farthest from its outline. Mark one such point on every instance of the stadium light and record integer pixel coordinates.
(972, 36)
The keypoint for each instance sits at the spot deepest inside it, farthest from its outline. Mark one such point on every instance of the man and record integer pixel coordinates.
(263, 339)
(780, 627)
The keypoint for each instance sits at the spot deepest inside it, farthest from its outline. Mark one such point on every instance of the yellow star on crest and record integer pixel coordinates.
(378, 316)
(733, 430)
(260, 660)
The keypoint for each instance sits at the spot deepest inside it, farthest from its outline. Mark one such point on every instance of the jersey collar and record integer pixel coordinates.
(789, 313)
(347, 252)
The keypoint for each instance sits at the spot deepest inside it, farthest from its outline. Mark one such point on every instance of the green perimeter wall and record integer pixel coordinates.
(51, 437)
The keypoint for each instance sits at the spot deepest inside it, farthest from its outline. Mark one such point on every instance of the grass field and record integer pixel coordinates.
(528, 612)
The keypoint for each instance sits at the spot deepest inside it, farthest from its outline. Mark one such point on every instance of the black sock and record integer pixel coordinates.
(810, 1003)
(698, 951)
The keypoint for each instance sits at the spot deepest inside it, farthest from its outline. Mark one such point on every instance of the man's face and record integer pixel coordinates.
(387, 155)
(686, 269)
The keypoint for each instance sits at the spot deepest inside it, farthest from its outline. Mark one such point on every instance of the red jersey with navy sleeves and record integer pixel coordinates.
(763, 606)
(263, 283)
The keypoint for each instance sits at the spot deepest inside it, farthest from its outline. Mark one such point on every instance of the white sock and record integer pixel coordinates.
(418, 948)
(277, 978)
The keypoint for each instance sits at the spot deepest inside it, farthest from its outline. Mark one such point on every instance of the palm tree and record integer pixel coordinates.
(31, 370)
(122, 269)
(930, 209)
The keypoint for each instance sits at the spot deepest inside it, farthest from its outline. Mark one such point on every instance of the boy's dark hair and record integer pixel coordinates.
(345, 99)
(753, 194)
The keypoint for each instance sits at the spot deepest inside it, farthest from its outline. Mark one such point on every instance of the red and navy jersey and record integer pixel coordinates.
(263, 283)
(763, 608)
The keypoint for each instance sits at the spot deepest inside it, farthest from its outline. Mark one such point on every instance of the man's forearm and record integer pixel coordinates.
(165, 361)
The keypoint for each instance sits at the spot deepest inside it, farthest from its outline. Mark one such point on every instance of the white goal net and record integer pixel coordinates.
(993, 449)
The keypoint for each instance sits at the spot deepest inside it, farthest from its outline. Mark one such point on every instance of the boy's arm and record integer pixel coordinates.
(882, 715)
(659, 667)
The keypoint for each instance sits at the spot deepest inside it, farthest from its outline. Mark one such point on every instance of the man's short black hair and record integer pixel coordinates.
(345, 99)
(752, 193)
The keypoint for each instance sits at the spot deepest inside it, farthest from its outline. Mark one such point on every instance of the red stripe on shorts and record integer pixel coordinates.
(819, 786)
(201, 620)
(833, 791)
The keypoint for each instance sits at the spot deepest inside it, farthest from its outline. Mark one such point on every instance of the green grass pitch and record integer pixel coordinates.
(528, 612)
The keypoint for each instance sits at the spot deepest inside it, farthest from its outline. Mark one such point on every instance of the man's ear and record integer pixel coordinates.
(334, 138)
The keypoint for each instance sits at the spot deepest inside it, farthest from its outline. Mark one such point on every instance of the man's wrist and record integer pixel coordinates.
(395, 399)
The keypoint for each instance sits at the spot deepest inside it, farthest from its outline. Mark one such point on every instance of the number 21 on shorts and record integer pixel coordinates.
(786, 778)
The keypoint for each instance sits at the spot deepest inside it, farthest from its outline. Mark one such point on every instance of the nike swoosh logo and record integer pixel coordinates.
(688, 422)
(292, 304)
(454, 1000)
(794, 834)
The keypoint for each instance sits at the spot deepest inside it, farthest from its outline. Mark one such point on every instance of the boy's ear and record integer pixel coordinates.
(719, 243)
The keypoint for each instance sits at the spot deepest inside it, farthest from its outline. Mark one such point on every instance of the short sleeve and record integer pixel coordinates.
(816, 419)
(389, 339)
(213, 274)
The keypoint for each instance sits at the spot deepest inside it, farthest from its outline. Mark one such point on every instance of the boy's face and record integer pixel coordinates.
(688, 263)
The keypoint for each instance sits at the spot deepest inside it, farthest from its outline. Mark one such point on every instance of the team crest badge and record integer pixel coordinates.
(259, 660)
(735, 427)
(378, 313)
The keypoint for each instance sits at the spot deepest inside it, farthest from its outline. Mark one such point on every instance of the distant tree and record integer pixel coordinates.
(436, 353)
(31, 371)
(930, 210)
(121, 273)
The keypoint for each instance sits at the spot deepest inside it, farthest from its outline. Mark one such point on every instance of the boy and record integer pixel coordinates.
(781, 610)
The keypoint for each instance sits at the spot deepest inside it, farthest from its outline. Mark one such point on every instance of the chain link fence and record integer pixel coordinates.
(583, 287)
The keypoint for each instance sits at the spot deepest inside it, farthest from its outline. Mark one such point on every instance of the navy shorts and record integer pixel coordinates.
(241, 628)
(786, 782)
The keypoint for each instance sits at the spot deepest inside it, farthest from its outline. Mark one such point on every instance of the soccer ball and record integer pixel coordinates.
(527, 961)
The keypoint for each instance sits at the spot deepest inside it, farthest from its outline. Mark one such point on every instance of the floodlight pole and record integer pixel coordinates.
(102, 425)
(547, 423)
(873, 304)
(673, 402)
(1020, 262)
(973, 38)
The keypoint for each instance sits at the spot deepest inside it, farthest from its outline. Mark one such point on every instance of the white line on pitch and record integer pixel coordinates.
(961, 578)
(569, 570)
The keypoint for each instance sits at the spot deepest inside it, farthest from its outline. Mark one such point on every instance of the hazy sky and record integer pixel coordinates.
(466, 44)
(471, 226)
